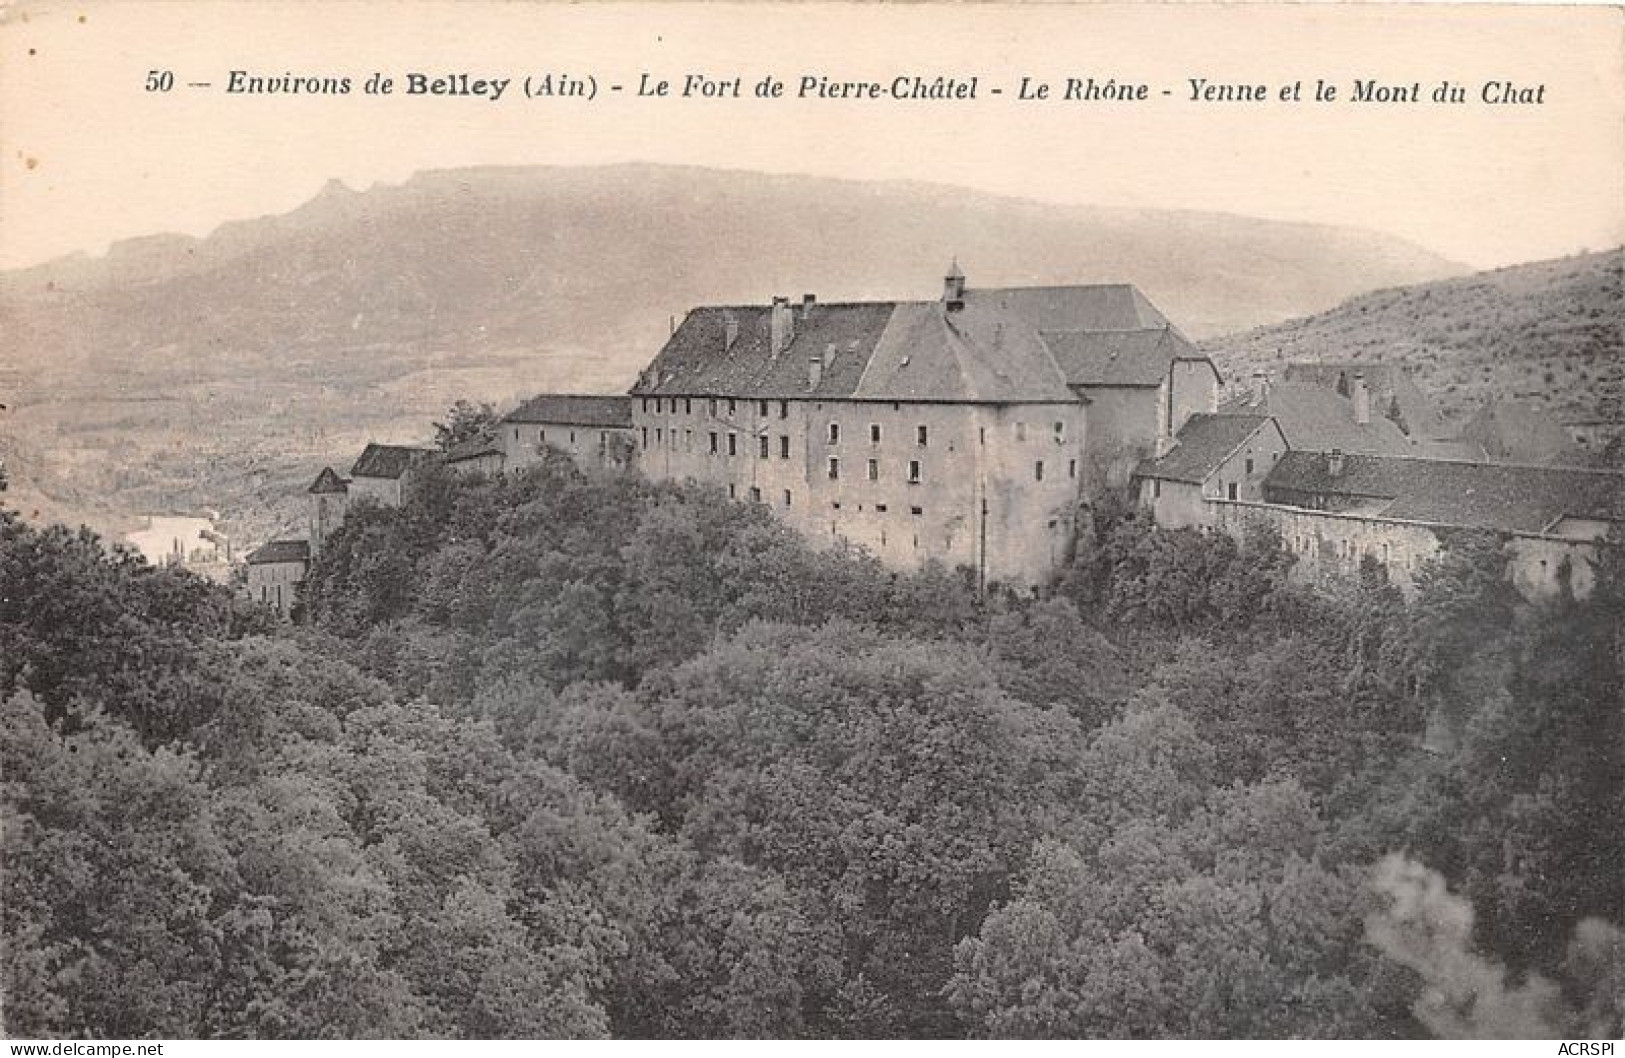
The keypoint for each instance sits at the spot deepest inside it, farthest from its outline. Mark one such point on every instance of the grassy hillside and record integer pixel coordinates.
(1550, 333)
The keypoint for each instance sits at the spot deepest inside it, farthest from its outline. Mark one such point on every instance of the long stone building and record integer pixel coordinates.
(1335, 510)
(963, 430)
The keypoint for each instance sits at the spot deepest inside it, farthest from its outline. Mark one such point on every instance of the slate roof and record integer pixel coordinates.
(1387, 382)
(473, 449)
(328, 481)
(1118, 358)
(575, 409)
(1015, 345)
(1204, 443)
(1501, 496)
(1314, 417)
(386, 461)
(280, 551)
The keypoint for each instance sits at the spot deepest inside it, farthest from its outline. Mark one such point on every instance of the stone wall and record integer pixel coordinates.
(990, 487)
(592, 447)
(1331, 545)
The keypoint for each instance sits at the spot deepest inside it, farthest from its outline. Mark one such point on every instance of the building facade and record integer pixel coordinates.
(596, 431)
(1337, 510)
(1217, 457)
(956, 431)
(274, 573)
(381, 471)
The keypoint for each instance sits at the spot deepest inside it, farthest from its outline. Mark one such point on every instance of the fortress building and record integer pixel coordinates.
(968, 430)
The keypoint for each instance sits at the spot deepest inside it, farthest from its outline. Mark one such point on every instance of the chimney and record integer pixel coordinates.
(730, 331)
(815, 372)
(830, 352)
(953, 288)
(783, 325)
(807, 303)
(1362, 401)
(1261, 388)
(1334, 463)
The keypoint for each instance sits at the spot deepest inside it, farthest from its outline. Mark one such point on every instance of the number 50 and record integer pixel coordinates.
(160, 80)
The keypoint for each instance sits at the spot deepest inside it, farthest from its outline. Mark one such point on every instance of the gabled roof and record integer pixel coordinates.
(979, 353)
(1204, 443)
(575, 409)
(1094, 307)
(1316, 418)
(386, 461)
(280, 551)
(473, 449)
(1390, 386)
(1119, 358)
(328, 481)
(1498, 496)
(994, 349)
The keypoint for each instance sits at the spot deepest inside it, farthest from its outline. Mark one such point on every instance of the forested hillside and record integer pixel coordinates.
(550, 755)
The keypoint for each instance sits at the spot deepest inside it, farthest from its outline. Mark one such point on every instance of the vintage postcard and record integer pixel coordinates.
(820, 521)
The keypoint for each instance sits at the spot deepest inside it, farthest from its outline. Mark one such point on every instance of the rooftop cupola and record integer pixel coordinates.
(953, 288)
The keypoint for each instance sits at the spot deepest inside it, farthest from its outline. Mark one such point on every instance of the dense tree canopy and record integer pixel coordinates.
(564, 755)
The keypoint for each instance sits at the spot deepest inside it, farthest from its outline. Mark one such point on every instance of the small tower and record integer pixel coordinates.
(953, 288)
(329, 498)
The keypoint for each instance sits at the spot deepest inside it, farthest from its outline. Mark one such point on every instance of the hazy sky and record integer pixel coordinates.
(90, 157)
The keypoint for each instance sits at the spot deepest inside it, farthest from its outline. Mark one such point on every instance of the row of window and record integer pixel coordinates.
(664, 438)
(915, 470)
(541, 437)
(885, 538)
(882, 508)
(922, 434)
(714, 406)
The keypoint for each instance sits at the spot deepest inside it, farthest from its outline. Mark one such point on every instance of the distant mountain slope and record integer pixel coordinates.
(1551, 334)
(175, 370)
(602, 257)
